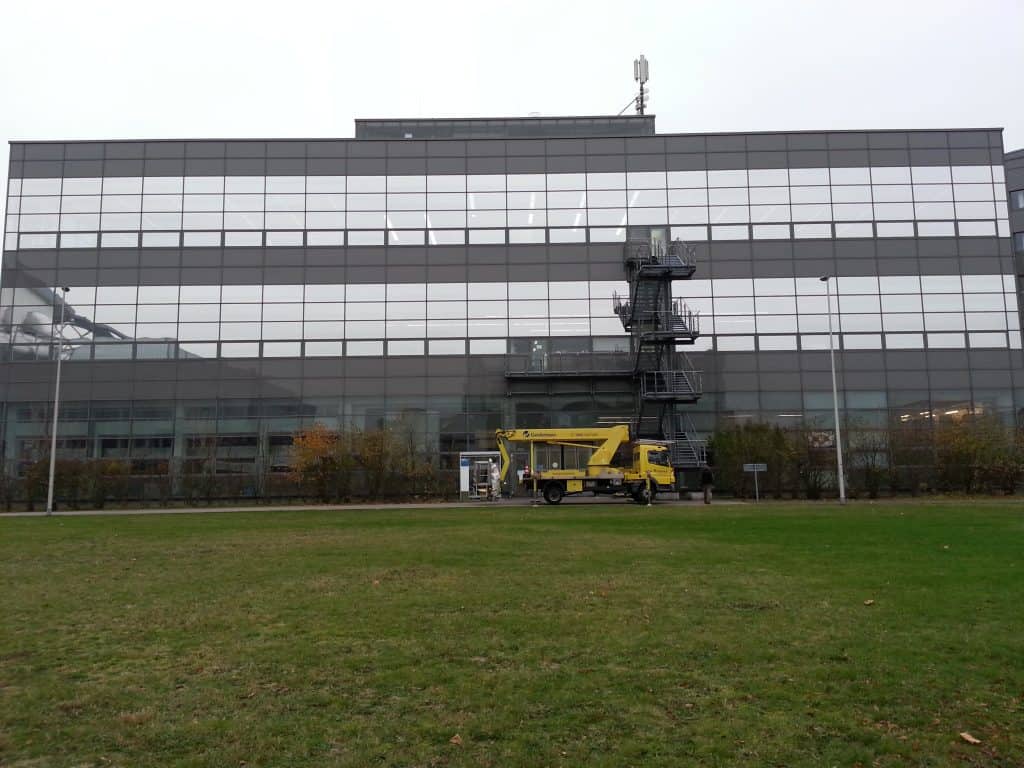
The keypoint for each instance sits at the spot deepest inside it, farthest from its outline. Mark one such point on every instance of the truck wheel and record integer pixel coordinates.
(640, 495)
(553, 493)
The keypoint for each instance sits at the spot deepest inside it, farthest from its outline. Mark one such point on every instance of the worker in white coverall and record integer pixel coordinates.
(495, 481)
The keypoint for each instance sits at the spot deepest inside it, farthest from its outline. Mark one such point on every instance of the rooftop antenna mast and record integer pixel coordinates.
(641, 74)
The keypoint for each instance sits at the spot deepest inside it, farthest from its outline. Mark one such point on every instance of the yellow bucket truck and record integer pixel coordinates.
(604, 461)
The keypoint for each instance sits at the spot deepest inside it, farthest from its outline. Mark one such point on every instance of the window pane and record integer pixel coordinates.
(204, 184)
(449, 183)
(526, 235)
(325, 184)
(808, 176)
(693, 215)
(571, 199)
(730, 232)
(282, 349)
(976, 228)
(852, 211)
(446, 237)
(850, 175)
(690, 179)
(854, 230)
(159, 239)
(603, 181)
(447, 347)
(406, 347)
(486, 218)
(364, 348)
(737, 178)
(202, 239)
(768, 177)
(323, 348)
(904, 341)
(366, 202)
(559, 181)
(486, 183)
(163, 185)
(805, 195)
(966, 174)
(406, 219)
(406, 183)
(284, 239)
(535, 200)
(812, 230)
(723, 196)
(895, 229)
(946, 340)
(366, 184)
(688, 196)
(577, 235)
(890, 175)
(771, 232)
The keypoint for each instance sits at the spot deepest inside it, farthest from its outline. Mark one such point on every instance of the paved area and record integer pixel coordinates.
(504, 503)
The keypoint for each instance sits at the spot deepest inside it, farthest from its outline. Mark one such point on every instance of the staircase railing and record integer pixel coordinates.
(640, 253)
(569, 364)
(679, 384)
(680, 254)
(680, 320)
(687, 448)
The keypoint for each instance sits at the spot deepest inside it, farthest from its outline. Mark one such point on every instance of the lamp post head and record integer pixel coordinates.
(825, 278)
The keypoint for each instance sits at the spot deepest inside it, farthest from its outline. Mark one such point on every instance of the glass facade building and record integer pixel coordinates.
(460, 276)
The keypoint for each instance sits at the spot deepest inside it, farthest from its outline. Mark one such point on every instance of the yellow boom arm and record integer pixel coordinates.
(604, 440)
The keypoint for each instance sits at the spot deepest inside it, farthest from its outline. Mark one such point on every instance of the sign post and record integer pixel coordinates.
(755, 468)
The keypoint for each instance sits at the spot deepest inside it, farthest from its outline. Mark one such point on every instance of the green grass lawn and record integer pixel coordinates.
(608, 635)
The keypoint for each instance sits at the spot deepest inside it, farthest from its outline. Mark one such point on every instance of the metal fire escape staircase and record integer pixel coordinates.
(657, 324)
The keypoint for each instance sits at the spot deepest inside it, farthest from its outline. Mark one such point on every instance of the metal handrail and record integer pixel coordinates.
(620, 305)
(684, 323)
(682, 253)
(676, 382)
(676, 254)
(684, 438)
(569, 364)
(679, 318)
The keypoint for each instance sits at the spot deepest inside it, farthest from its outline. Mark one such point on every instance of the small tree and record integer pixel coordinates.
(814, 458)
(36, 475)
(978, 453)
(374, 451)
(68, 481)
(314, 459)
(389, 460)
(413, 469)
(868, 460)
(105, 480)
(8, 486)
(911, 455)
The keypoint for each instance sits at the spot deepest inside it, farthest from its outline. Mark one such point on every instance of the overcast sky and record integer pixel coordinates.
(97, 70)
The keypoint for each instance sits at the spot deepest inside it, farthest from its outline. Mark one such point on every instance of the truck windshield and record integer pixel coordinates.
(658, 457)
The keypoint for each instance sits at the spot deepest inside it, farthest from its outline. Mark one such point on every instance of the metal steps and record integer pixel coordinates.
(651, 320)
(676, 386)
(687, 450)
(658, 323)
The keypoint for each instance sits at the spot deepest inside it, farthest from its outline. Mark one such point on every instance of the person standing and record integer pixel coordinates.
(495, 481)
(707, 482)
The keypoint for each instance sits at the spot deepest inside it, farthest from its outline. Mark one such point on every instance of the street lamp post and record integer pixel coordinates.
(835, 392)
(56, 401)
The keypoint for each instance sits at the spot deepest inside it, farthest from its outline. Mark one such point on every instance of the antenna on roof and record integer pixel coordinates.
(641, 73)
